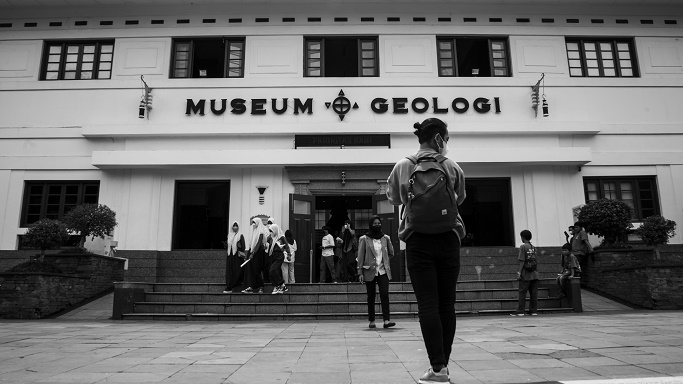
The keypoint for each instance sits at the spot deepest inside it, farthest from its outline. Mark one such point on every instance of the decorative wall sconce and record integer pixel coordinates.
(261, 197)
(535, 90)
(146, 102)
(343, 178)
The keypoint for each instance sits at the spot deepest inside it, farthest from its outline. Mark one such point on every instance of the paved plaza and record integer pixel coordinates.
(608, 342)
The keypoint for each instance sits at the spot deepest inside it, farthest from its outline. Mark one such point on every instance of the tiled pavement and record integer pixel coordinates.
(642, 345)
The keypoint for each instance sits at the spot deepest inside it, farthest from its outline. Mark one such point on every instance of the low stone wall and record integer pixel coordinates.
(9, 259)
(637, 276)
(28, 295)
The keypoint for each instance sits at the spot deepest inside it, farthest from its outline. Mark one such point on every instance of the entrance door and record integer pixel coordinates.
(200, 216)
(487, 213)
(389, 215)
(301, 223)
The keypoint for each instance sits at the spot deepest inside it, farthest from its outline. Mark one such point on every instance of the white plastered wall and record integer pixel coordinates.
(144, 200)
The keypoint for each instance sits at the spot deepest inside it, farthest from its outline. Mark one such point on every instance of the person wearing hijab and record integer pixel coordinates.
(288, 264)
(256, 254)
(234, 273)
(266, 263)
(374, 252)
(277, 246)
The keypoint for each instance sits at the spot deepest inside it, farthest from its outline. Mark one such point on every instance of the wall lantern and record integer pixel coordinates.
(535, 91)
(261, 196)
(146, 101)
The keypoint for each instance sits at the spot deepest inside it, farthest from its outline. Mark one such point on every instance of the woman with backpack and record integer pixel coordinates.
(432, 231)
(527, 275)
(374, 269)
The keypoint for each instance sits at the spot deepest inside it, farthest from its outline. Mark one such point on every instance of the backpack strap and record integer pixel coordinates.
(439, 158)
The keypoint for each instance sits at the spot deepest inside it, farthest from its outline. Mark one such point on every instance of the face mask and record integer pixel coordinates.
(377, 227)
(235, 229)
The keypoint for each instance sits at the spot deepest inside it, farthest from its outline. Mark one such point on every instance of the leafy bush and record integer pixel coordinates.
(610, 219)
(96, 220)
(45, 234)
(656, 230)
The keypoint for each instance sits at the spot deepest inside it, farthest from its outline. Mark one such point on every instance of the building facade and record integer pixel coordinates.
(298, 110)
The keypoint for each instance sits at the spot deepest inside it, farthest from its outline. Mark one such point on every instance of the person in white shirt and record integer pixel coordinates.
(374, 252)
(288, 265)
(327, 259)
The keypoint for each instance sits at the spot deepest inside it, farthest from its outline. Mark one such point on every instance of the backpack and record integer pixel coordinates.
(432, 203)
(530, 263)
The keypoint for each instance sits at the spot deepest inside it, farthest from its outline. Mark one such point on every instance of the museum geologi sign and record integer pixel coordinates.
(341, 105)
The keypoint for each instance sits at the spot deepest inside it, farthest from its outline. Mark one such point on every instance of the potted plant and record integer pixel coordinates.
(95, 220)
(609, 219)
(656, 230)
(46, 234)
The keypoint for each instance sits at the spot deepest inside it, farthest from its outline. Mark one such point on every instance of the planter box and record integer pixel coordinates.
(30, 295)
(636, 276)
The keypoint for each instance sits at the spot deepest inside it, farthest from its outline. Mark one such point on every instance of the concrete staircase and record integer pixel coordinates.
(205, 301)
(188, 285)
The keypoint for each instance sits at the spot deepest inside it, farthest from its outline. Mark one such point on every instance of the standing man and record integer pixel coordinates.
(580, 244)
(327, 259)
(430, 187)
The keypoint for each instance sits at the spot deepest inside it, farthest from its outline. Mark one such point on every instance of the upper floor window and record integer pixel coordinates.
(78, 60)
(341, 57)
(601, 58)
(473, 57)
(52, 199)
(640, 193)
(210, 57)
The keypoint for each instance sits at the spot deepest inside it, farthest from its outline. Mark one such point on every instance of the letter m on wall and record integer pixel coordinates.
(195, 108)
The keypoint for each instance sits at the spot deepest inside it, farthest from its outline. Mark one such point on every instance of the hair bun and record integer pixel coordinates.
(417, 126)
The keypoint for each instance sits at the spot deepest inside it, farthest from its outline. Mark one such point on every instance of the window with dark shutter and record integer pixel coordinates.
(640, 193)
(341, 57)
(208, 58)
(52, 199)
(473, 57)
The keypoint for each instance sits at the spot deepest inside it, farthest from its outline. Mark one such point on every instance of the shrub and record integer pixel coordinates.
(656, 230)
(610, 219)
(45, 234)
(96, 220)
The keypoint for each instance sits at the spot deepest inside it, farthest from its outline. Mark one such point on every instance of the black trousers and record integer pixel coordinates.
(383, 282)
(532, 287)
(433, 263)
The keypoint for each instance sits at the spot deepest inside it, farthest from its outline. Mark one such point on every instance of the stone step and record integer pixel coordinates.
(319, 297)
(328, 287)
(344, 307)
(361, 316)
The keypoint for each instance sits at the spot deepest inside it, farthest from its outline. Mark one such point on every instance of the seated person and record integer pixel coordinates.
(570, 268)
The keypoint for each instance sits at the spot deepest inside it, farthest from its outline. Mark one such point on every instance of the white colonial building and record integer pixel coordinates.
(297, 110)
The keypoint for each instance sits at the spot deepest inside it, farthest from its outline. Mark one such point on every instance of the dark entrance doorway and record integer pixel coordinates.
(200, 216)
(487, 213)
(308, 214)
(333, 211)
